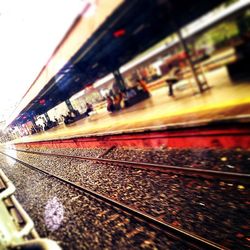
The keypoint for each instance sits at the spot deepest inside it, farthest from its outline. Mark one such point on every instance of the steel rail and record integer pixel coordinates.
(192, 239)
(155, 167)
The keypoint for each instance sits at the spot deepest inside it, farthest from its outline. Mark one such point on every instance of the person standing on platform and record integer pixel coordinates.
(56, 121)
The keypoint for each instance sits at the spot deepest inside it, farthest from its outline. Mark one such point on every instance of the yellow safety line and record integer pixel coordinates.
(209, 106)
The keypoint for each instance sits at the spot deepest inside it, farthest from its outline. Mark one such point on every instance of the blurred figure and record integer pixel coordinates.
(118, 101)
(62, 118)
(72, 114)
(68, 118)
(143, 85)
(44, 126)
(130, 93)
(110, 104)
(89, 108)
(56, 121)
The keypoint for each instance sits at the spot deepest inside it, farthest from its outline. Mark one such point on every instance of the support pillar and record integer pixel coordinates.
(69, 105)
(46, 116)
(190, 62)
(119, 80)
(183, 43)
(33, 120)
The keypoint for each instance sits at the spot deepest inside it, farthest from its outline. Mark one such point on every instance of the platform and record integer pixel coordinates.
(223, 100)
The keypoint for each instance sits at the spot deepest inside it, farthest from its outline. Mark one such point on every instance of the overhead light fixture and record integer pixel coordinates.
(94, 66)
(119, 33)
(42, 101)
(59, 78)
(138, 29)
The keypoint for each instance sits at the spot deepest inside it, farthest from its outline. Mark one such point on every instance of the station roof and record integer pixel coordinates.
(132, 28)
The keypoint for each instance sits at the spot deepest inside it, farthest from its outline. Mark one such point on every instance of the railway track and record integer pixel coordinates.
(193, 240)
(155, 167)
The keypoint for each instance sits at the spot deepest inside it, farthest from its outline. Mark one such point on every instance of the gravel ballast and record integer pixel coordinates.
(215, 209)
(76, 220)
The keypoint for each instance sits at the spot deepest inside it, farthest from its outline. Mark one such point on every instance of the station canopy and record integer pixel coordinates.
(132, 28)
